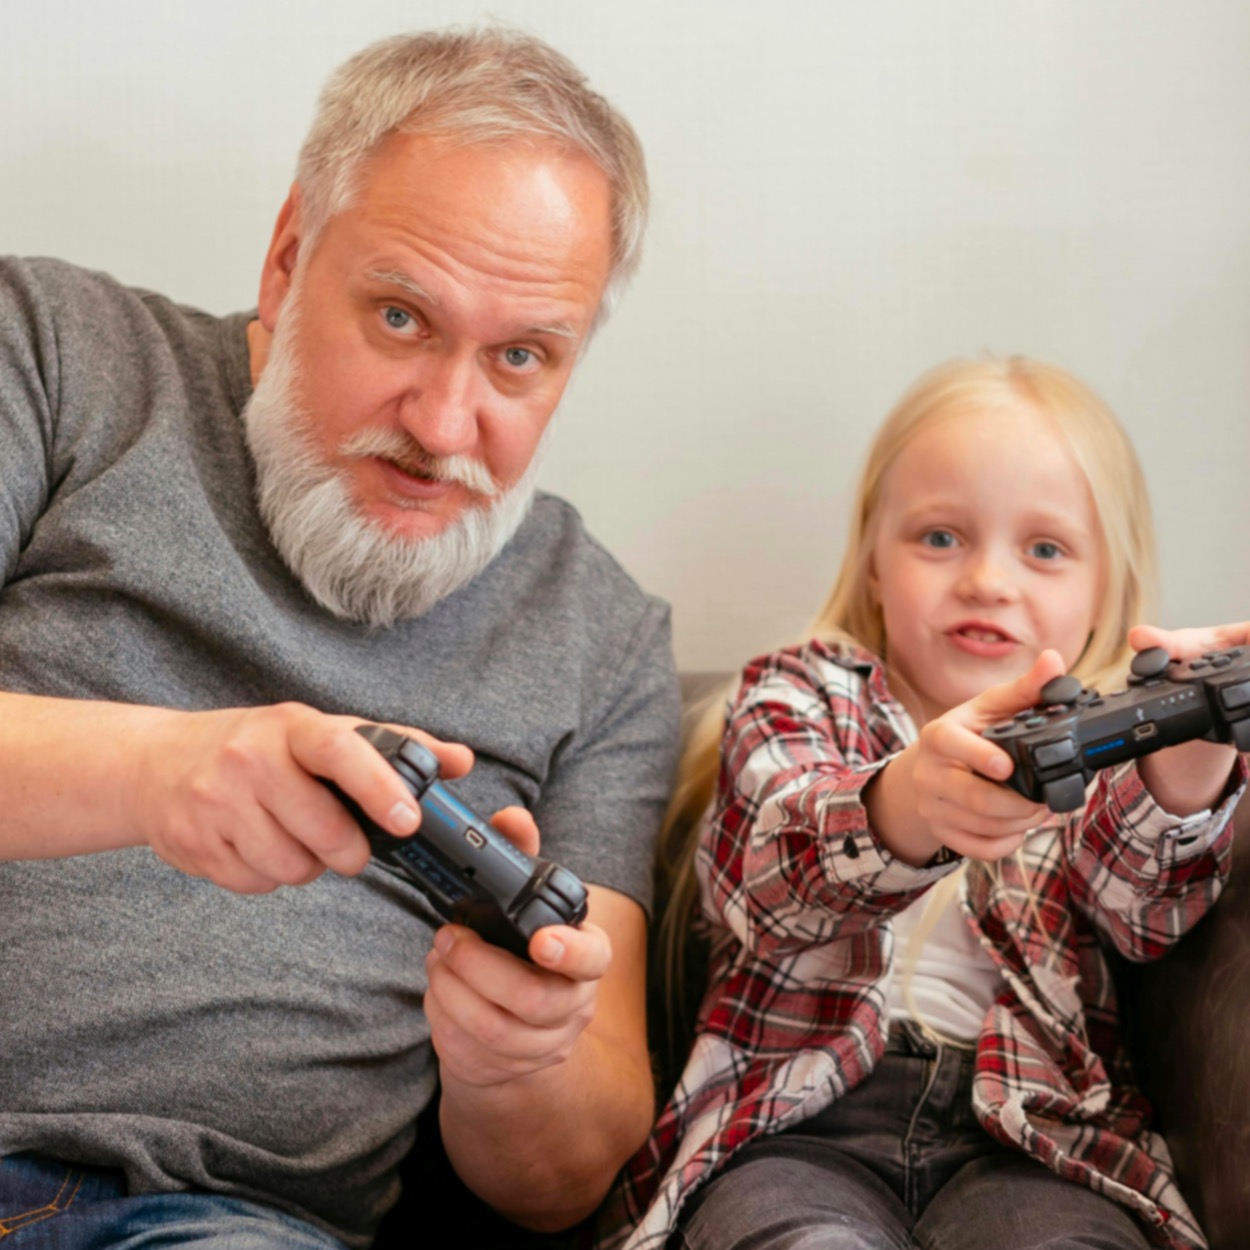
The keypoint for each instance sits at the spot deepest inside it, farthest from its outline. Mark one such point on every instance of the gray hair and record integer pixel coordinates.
(482, 86)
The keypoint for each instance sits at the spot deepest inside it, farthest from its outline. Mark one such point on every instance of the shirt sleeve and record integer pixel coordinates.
(787, 857)
(1143, 876)
(602, 804)
(28, 383)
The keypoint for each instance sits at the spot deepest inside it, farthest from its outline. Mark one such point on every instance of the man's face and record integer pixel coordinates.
(448, 303)
(439, 319)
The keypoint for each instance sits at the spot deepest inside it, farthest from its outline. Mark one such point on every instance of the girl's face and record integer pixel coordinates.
(986, 552)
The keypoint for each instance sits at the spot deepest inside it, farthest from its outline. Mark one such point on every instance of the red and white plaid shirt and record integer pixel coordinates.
(799, 894)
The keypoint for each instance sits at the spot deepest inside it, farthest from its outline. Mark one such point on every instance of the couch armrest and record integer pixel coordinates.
(1188, 1019)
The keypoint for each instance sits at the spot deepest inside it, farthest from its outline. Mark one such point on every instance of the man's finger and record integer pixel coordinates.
(518, 826)
(579, 954)
(454, 758)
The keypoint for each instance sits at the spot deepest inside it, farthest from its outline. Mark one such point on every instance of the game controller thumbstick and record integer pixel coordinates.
(1065, 689)
(1148, 664)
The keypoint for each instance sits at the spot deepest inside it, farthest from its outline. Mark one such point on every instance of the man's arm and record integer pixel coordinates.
(229, 795)
(546, 1077)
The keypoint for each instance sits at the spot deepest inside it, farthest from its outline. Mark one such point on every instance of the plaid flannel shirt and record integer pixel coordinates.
(799, 893)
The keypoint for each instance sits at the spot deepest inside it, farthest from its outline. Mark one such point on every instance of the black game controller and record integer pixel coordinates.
(469, 872)
(1073, 732)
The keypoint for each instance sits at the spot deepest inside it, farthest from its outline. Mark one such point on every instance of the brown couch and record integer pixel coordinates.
(1188, 1017)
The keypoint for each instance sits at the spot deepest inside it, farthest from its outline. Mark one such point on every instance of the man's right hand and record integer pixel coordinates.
(233, 795)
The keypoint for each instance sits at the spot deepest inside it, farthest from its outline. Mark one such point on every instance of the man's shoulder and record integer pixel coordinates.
(57, 282)
(557, 557)
(71, 300)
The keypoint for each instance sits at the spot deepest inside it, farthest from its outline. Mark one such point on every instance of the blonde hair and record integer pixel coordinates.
(850, 615)
(479, 86)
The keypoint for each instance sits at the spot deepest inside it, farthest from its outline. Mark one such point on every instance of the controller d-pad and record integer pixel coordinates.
(1065, 689)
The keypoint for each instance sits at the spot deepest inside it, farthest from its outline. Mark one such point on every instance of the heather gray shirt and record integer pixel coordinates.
(274, 1047)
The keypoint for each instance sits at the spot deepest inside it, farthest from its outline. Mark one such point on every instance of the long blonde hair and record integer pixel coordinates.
(1109, 464)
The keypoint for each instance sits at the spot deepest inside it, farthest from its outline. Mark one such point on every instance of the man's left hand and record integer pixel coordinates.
(493, 1017)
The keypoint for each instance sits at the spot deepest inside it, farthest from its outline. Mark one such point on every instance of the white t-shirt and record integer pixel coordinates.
(954, 980)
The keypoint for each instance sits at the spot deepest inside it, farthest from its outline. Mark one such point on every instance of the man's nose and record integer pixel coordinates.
(439, 408)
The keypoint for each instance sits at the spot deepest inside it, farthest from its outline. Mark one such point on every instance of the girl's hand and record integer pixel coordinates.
(1190, 777)
(944, 789)
(1186, 644)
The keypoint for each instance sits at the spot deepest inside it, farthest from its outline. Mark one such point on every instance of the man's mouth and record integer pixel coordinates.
(422, 472)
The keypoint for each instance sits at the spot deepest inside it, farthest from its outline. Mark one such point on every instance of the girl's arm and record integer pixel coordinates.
(1150, 853)
(788, 859)
(1193, 776)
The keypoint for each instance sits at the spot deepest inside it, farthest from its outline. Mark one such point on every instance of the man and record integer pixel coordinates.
(205, 591)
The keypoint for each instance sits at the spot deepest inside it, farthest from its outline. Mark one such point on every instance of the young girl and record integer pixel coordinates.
(909, 1036)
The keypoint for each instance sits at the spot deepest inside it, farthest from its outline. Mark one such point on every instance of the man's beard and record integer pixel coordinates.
(349, 565)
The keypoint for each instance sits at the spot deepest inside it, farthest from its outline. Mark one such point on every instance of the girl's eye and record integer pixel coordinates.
(1044, 550)
(939, 540)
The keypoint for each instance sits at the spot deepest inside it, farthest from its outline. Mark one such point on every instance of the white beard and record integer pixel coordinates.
(349, 565)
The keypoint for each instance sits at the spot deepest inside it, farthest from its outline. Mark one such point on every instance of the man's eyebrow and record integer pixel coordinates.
(395, 277)
(560, 328)
(398, 278)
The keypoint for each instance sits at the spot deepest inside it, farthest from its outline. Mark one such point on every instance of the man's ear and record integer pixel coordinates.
(279, 266)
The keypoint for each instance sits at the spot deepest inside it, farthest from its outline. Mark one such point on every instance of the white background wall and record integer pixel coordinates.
(846, 192)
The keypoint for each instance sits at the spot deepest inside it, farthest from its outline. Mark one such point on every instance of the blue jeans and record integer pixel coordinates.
(899, 1163)
(49, 1205)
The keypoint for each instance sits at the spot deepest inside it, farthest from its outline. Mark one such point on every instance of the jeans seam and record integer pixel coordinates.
(14, 1223)
(932, 1064)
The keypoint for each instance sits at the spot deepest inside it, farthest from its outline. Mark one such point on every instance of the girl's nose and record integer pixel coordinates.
(986, 580)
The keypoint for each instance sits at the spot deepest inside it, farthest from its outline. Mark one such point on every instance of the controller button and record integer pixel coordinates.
(1233, 653)
(1221, 661)
(421, 760)
(1235, 697)
(1150, 663)
(536, 914)
(1065, 794)
(1198, 665)
(1050, 754)
(1064, 689)
(1023, 716)
(1034, 722)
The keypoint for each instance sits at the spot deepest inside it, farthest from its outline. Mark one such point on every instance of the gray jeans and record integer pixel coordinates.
(900, 1162)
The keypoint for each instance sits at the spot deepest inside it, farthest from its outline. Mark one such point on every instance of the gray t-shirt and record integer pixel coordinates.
(274, 1047)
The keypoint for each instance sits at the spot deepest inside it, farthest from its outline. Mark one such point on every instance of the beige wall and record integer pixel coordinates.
(847, 191)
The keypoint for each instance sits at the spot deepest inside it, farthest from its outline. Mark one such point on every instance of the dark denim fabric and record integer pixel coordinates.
(899, 1163)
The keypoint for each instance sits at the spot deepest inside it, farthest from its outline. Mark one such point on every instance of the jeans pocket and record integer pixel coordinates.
(33, 1189)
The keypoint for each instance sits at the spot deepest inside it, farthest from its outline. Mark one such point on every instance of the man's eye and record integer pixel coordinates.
(518, 357)
(940, 540)
(1044, 550)
(397, 318)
